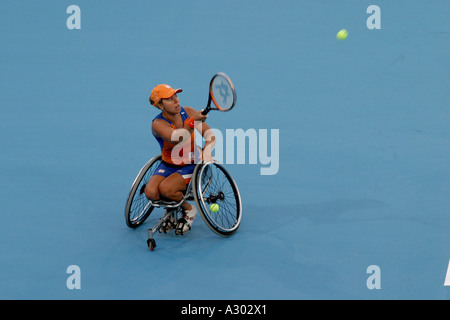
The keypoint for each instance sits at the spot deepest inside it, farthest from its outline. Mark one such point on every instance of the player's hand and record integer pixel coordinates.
(198, 116)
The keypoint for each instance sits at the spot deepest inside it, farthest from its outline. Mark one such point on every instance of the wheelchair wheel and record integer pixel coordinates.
(212, 183)
(135, 214)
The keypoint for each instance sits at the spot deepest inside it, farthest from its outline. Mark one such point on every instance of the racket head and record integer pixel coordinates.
(222, 92)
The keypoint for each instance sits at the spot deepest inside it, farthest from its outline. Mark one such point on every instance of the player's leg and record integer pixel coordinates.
(152, 192)
(173, 188)
(152, 188)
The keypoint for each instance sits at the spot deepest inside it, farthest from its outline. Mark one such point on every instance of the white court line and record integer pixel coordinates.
(447, 277)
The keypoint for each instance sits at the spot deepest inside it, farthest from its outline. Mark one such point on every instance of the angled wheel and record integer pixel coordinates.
(137, 208)
(213, 184)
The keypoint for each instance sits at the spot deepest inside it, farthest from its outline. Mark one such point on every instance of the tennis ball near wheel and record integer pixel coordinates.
(342, 34)
(214, 207)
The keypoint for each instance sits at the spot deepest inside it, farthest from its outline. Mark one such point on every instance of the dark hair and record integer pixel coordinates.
(153, 102)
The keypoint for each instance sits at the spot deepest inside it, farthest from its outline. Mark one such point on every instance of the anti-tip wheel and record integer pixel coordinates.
(151, 243)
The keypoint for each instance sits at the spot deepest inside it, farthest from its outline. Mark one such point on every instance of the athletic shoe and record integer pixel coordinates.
(185, 222)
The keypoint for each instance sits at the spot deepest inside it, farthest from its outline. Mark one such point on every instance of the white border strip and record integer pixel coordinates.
(447, 277)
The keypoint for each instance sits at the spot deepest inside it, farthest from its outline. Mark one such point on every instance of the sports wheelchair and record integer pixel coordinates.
(211, 183)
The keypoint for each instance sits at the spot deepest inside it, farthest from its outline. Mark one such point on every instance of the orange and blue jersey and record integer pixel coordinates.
(183, 153)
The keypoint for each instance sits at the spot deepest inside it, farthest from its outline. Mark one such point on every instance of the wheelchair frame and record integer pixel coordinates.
(173, 207)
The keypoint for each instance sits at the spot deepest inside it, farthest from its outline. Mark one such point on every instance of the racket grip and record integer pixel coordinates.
(205, 111)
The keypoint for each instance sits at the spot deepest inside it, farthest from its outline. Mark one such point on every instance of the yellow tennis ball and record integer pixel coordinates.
(342, 34)
(214, 207)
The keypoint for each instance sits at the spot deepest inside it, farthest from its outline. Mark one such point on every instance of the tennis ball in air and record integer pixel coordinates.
(342, 34)
(214, 207)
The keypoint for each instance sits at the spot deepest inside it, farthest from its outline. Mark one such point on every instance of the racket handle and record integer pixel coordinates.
(205, 111)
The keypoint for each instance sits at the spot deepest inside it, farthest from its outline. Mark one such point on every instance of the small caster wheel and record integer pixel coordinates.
(151, 243)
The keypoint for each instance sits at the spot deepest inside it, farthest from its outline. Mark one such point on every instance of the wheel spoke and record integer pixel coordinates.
(217, 186)
(138, 207)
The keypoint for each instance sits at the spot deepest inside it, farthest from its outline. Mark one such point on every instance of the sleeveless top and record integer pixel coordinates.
(181, 154)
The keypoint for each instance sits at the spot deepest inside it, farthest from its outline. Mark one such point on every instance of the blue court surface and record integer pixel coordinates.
(355, 135)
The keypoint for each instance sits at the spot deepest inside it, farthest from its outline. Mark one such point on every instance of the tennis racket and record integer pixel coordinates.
(222, 95)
